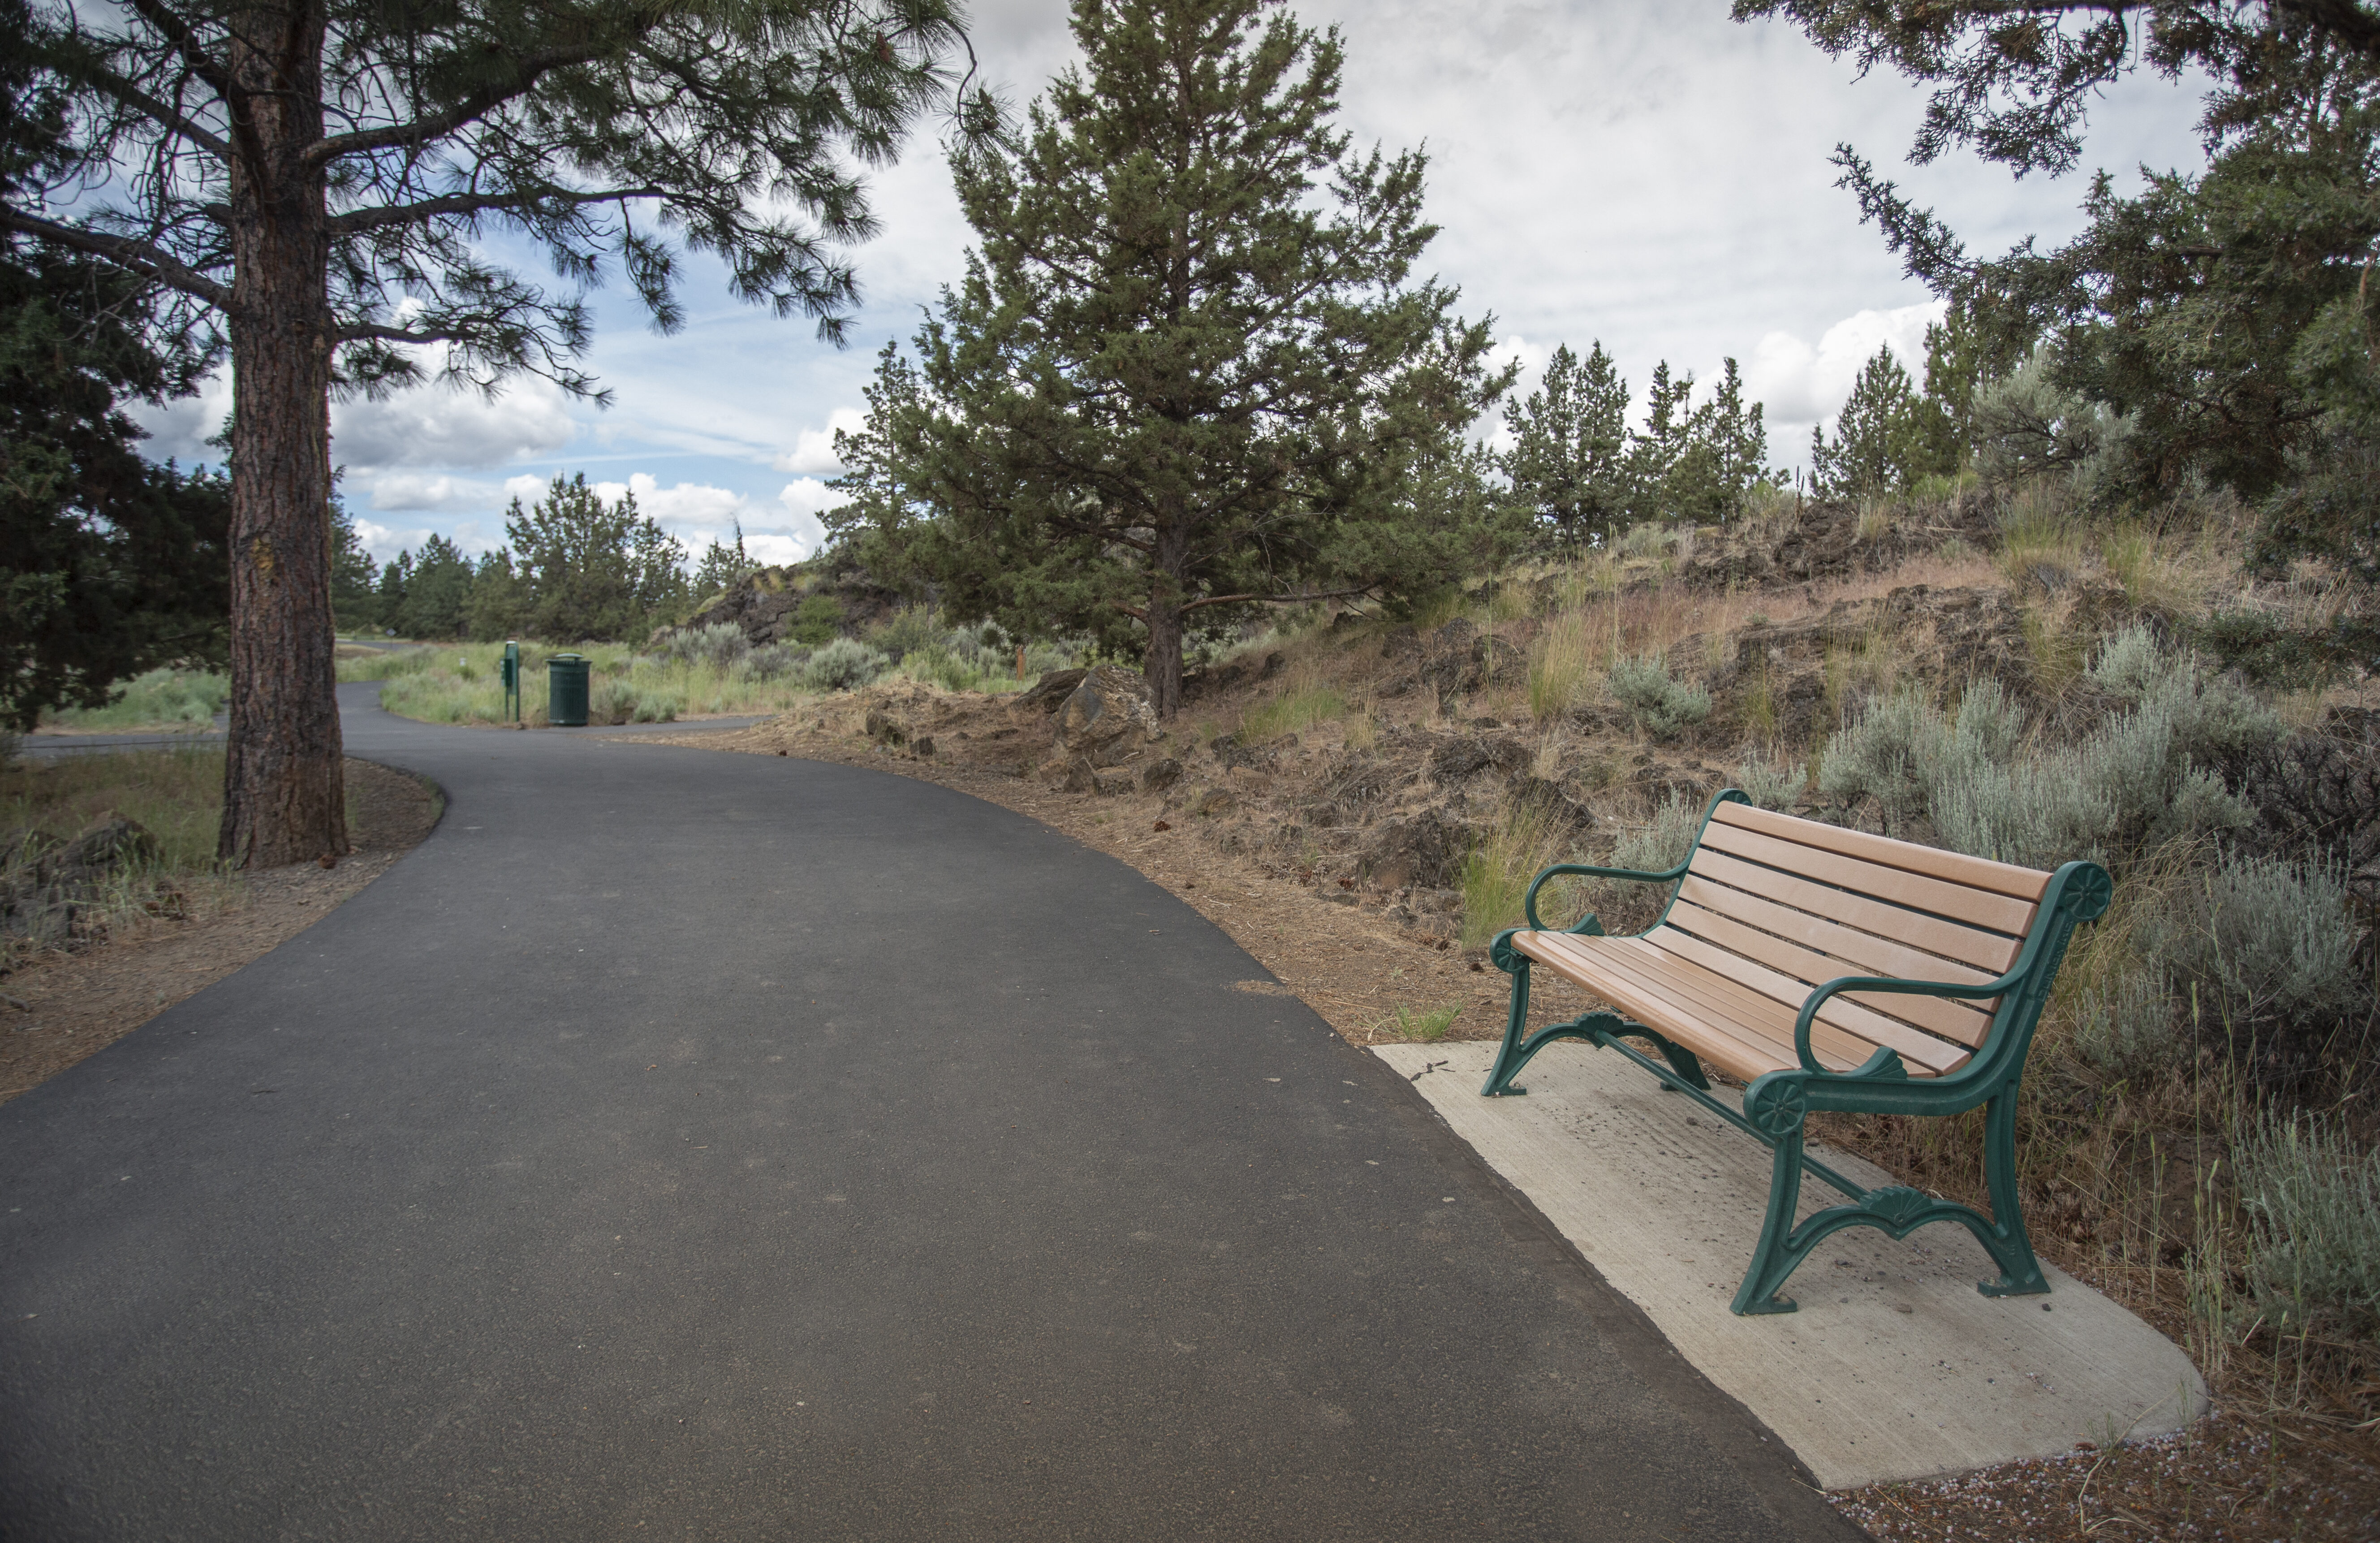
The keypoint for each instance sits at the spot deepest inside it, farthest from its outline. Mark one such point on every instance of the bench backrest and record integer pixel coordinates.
(1780, 905)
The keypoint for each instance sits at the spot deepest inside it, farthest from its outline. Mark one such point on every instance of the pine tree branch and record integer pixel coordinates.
(1308, 597)
(530, 69)
(112, 84)
(475, 203)
(187, 46)
(137, 256)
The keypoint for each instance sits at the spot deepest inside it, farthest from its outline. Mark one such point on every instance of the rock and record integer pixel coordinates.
(1049, 693)
(108, 846)
(1459, 758)
(1426, 851)
(1160, 774)
(924, 747)
(1212, 801)
(46, 885)
(885, 729)
(1109, 715)
(1111, 783)
(1553, 801)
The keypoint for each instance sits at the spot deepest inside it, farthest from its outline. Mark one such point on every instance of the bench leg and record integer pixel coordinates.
(2006, 1240)
(1775, 1256)
(1509, 1059)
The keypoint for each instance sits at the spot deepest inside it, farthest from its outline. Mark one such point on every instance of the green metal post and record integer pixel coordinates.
(510, 670)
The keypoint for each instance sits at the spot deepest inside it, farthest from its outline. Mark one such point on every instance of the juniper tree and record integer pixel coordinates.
(594, 569)
(2225, 315)
(1569, 459)
(1880, 444)
(311, 186)
(1186, 371)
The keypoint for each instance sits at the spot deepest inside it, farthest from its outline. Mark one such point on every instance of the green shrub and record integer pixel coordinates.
(842, 664)
(1662, 841)
(773, 661)
(1885, 754)
(819, 619)
(2131, 1032)
(1661, 704)
(720, 644)
(660, 706)
(2271, 937)
(612, 701)
(1768, 786)
(2312, 1204)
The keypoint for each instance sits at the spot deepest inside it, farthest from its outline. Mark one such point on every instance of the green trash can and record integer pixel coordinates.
(566, 690)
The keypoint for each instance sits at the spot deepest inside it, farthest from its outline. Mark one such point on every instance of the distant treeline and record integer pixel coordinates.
(576, 568)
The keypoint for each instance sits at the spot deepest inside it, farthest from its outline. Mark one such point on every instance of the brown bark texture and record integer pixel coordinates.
(284, 797)
(1163, 667)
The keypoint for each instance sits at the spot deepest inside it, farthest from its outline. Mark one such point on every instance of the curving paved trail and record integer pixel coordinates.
(715, 1147)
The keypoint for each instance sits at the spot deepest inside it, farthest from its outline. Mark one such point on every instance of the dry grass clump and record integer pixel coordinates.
(176, 793)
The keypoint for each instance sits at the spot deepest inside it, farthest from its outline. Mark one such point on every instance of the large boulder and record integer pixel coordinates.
(1110, 716)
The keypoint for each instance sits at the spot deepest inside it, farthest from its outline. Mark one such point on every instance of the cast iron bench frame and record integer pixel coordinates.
(1738, 947)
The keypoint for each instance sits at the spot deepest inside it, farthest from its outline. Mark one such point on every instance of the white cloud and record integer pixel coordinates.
(688, 504)
(814, 448)
(439, 493)
(1802, 385)
(443, 427)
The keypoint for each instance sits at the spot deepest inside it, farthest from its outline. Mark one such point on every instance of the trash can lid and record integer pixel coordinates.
(561, 657)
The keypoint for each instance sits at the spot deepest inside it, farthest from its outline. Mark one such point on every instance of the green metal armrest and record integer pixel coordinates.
(2080, 888)
(1529, 901)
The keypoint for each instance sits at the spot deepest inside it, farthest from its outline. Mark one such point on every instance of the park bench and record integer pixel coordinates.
(1825, 969)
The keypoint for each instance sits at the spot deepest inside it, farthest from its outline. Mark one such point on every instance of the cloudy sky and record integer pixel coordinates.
(1655, 176)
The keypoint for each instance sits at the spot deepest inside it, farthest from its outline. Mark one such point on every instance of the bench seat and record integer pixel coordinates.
(1825, 968)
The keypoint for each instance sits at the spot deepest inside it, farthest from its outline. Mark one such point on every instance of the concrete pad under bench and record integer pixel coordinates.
(1895, 1368)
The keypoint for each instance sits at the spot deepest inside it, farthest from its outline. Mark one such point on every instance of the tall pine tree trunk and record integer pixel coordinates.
(284, 797)
(1162, 667)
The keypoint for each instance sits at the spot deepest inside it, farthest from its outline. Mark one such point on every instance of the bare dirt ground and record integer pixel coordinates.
(61, 1009)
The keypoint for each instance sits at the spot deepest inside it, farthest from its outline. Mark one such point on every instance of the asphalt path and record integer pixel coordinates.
(710, 1145)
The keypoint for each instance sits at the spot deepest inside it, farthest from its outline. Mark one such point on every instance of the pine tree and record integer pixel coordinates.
(595, 571)
(722, 567)
(1186, 372)
(1879, 438)
(320, 184)
(439, 592)
(1657, 451)
(1569, 460)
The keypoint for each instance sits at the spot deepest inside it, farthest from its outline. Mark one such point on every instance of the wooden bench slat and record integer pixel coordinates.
(1742, 1031)
(1968, 945)
(1669, 1002)
(2027, 884)
(1976, 907)
(1935, 1014)
(1915, 1045)
(1871, 954)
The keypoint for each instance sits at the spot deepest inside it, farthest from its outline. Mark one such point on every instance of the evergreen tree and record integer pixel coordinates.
(1185, 372)
(396, 579)
(319, 186)
(1879, 446)
(1657, 451)
(1723, 451)
(438, 593)
(722, 567)
(499, 607)
(595, 571)
(1569, 461)
(109, 565)
(354, 578)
